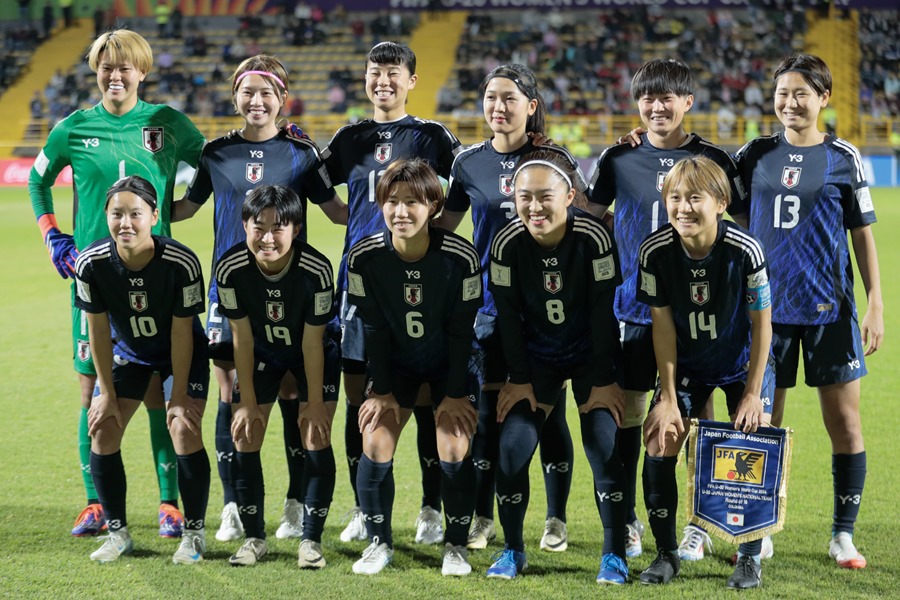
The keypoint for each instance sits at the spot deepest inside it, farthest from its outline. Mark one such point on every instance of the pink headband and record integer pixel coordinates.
(263, 73)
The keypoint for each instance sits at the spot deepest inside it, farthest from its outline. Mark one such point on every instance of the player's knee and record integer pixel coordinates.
(107, 438)
(379, 445)
(451, 448)
(635, 409)
(181, 434)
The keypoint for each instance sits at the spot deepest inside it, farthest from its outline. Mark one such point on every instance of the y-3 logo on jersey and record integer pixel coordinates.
(256, 154)
(667, 162)
(137, 282)
(413, 275)
(274, 293)
(384, 135)
(91, 142)
(795, 157)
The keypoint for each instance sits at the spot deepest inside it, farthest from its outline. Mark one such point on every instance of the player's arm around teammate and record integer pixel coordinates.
(417, 290)
(150, 289)
(554, 271)
(277, 292)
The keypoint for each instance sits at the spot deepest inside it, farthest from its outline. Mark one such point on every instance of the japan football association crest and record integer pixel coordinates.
(412, 293)
(790, 177)
(700, 292)
(154, 138)
(214, 335)
(552, 281)
(383, 152)
(275, 311)
(660, 178)
(254, 172)
(84, 350)
(138, 301)
(506, 185)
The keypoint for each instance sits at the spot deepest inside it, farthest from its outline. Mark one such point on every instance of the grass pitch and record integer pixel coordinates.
(42, 491)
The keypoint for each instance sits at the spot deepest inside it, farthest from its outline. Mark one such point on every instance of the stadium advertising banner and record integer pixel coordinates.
(737, 482)
(145, 8)
(15, 173)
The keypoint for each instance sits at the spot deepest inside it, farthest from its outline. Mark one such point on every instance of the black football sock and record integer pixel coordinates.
(557, 459)
(661, 499)
(319, 479)
(353, 442)
(376, 498)
(485, 450)
(457, 489)
(848, 472)
(598, 434)
(630, 450)
(293, 447)
(249, 488)
(518, 440)
(109, 479)
(193, 483)
(426, 441)
(225, 451)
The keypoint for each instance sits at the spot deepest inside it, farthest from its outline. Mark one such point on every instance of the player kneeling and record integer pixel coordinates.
(149, 290)
(277, 291)
(706, 283)
(417, 290)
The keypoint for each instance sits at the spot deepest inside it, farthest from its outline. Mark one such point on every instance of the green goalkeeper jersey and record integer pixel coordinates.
(149, 141)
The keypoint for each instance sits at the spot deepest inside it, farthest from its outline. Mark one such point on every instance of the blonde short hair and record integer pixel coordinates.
(121, 46)
(698, 174)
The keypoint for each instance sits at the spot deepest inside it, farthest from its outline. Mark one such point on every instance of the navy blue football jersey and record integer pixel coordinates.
(358, 155)
(709, 297)
(141, 304)
(633, 178)
(278, 306)
(231, 167)
(418, 316)
(802, 202)
(554, 307)
(481, 178)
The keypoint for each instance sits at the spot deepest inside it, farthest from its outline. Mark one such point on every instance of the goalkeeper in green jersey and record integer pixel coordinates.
(121, 136)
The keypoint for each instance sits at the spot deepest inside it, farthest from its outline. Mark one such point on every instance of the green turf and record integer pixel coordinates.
(42, 490)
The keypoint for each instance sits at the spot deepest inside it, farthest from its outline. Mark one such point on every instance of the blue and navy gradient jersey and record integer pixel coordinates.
(141, 304)
(481, 178)
(802, 202)
(709, 298)
(418, 316)
(359, 154)
(231, 167)
(278, 306)
(633, 177)
(555, 307)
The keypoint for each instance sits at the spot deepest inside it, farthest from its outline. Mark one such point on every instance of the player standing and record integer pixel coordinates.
(358, 155)
(230, 168)
(417, 290)
(554, 272)
(277, 293)
(807, 189)
(147, 289)
(632, 176)
(481, 177)
(120, 136)
(706, 282)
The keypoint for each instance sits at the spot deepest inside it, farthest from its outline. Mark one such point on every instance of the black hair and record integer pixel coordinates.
(524, 79)
(557, 159)
(812, 68)
(286, 202)
(662, 76)
(138, 186)
(392, 53)
(418, 176)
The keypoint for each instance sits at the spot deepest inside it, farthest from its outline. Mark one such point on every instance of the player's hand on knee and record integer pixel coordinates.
(664, 424)
(242, 422)
(375, 408)
(460, 414)
(103, 407)
(314, 418)
(181, 407)
(510, 395)
(610, 397)
(749, 413)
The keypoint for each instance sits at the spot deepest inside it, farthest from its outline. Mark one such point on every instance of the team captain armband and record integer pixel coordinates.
(759, 294)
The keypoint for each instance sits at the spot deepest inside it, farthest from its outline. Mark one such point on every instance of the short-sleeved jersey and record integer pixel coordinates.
(633, 177)
(231, 167)
(358, 155)
(418, 315)
(481, 178)
(149, 141)
(802, 202)
(278, 306)
(547, 299)
(709, 298)
(141, 304)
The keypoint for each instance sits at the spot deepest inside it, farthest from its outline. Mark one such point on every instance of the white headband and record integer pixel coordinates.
(543, 163)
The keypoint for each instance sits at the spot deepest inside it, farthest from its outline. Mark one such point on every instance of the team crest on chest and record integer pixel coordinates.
(700, 292)
(138, 301)
(154, 138)
(660, 178)
(383, 152)
(552, 281)
(275, 310)
(254, 172)
(412, 293)
(506, 185)
(790, 177)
